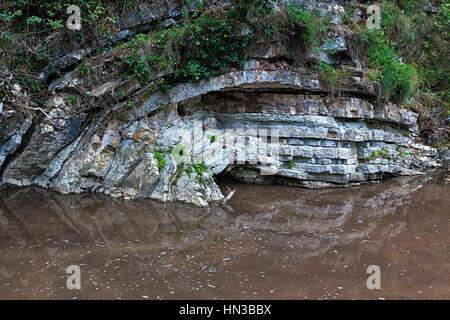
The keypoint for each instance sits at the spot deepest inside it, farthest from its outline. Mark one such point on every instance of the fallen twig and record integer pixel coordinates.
(228, 197)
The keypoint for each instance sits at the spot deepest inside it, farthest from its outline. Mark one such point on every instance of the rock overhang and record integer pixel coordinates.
(326, 137)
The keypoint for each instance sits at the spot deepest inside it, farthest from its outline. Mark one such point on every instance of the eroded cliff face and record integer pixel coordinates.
(114, 136)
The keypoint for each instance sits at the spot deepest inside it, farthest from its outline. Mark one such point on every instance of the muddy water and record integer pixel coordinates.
(268, 242)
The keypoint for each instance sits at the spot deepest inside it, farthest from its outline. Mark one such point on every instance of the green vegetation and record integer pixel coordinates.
(307, 25)
(72, 99)
(441, 144)
(160, 156)
(291, 164)
(188, 171)
(33, 34)
(395, 80)
(328, 75)
(407, 60)
(422, 40)
(209, 41)
(199, 169)
(384, 153)
(380, 153)
(203, 45)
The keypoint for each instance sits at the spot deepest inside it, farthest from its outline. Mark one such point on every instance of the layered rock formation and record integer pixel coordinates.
(269, 122)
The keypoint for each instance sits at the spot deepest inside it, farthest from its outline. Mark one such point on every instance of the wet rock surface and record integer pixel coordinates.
(321, 141)
(115, 136)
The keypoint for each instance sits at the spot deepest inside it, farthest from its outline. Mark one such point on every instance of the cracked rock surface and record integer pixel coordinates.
(117, 139)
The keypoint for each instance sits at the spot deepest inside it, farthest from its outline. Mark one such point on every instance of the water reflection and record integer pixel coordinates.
(267, 242)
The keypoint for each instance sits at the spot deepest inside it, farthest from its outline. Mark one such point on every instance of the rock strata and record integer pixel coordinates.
(268, 122)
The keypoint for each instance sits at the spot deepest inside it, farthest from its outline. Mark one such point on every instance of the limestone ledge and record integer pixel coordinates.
(104, 133)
